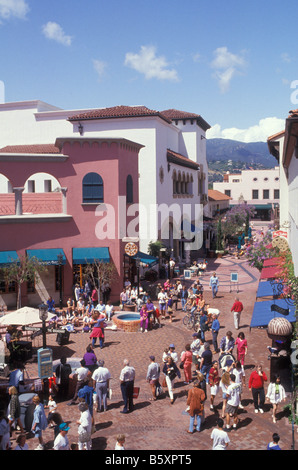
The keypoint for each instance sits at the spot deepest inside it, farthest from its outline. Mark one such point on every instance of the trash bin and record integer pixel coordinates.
(63, 337)
(26, 409)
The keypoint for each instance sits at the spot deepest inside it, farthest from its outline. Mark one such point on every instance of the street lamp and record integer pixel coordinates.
(60, 262)
(43, 315)
(138, 273)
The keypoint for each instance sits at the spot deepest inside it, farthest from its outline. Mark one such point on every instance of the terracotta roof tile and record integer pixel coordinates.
(179, 159)
(35, 148)
(215, 195)
(175, 114)
(118, 112)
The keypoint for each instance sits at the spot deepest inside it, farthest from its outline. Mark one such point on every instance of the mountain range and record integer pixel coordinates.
(252, 154)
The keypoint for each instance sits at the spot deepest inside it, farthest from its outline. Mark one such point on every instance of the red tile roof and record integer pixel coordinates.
(118, 112)
(176, 115)
(35, 148)
(139, 111)
(215, 195)
(174, 157)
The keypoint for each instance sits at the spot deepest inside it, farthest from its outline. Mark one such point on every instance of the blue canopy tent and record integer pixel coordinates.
(262, 313)
(269, 289)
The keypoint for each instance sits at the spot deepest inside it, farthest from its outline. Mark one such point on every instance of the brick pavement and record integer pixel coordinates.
(160, 425)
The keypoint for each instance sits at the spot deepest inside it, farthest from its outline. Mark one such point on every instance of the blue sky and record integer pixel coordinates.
(231, 62)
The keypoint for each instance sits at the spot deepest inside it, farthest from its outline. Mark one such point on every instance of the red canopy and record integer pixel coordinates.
(271, 262)
(270, 272)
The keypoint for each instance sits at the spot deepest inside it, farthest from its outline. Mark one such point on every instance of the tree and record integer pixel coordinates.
(261, 250)
(154, 248)
(22, 270)
(100, 273)
(219, 236)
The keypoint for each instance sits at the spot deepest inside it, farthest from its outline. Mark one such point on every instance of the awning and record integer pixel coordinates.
(268, 289)
(90, 255)
(145, 258)
(262, 206)
(262, 313)
(270, 272)
(271, 262)
(48, 256)
(8, 257)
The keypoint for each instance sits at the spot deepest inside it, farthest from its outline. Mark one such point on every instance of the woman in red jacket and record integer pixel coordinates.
(256, 385)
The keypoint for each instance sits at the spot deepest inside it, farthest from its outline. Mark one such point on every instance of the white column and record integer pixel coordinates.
(18, 200)
(64, 200)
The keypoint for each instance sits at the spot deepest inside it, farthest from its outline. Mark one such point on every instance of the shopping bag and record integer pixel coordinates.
(136, 391)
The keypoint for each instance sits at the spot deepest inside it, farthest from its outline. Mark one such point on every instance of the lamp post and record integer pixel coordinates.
(138, 273)
(60, 261)
(43, 315)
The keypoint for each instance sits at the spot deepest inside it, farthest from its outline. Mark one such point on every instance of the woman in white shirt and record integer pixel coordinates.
(275, 394)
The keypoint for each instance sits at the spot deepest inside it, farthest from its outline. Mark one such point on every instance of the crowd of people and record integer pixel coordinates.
(214, 368)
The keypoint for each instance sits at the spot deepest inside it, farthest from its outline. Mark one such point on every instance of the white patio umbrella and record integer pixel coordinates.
(23, 316)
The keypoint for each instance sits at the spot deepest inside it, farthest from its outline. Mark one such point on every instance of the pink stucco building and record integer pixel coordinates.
(93, 174)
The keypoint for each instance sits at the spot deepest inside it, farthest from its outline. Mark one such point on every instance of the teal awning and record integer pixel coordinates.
(145, 258)
(89, 255)
(8, 257)
(48, 256)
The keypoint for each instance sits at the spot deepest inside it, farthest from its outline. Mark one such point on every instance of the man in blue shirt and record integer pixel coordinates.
(214, 284)
(215, 329)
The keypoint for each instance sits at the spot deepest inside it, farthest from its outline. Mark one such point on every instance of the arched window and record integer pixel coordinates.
(129, 190)
(92, 188)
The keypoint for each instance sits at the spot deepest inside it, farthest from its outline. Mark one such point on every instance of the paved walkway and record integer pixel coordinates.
(160, 425)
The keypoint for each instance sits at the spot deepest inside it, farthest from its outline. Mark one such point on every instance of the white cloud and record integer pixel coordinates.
(150, 65)
(13, 8)
(226, 65)
(258, 133)
(99, 67)
(54, 31)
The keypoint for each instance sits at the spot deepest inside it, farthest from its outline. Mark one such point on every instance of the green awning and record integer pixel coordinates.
(48, 256)
(89, 255)
(8, 257)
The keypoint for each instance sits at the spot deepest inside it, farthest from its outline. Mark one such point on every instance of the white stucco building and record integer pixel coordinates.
(284, 147)
(259, 188)
(172, 163)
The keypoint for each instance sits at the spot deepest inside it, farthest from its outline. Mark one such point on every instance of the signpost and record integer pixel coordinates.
(234, 281)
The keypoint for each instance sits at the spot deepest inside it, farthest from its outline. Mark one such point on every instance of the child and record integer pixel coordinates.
(144, 318)
(52, 407)
(120, 442)
(274, 444)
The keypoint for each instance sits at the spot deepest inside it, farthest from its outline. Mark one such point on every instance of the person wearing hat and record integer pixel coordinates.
(153, 373)
(61, 442)
(196, 348)
(173, 353)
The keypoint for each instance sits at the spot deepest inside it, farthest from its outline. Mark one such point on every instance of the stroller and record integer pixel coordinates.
(225, 361)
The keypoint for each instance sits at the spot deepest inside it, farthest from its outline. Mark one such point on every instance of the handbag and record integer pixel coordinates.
(136, 391)
(181, 365)
(109, 393)
(84, 437)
